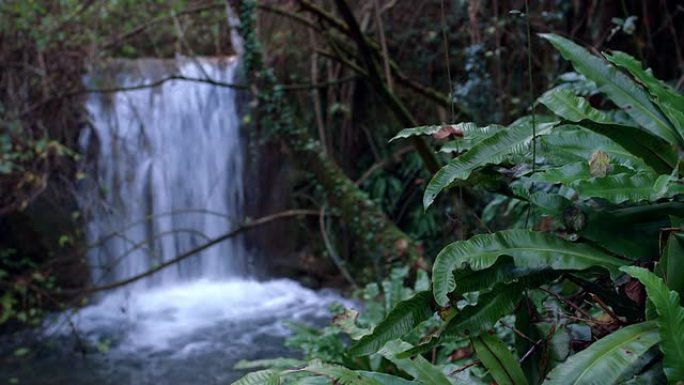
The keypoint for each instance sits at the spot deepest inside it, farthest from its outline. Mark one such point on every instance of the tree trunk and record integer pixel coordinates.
(377, 239)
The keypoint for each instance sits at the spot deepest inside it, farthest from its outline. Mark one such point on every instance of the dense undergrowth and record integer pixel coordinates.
(568, 264)
(591, 295)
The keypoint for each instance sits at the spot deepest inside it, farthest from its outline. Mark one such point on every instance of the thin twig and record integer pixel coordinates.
(570, 303)
(331, 251)
(605, 308)
(531, 85)
(383, 44)
(382, 164)
(464, 367)
(238, 230)
(136, 30)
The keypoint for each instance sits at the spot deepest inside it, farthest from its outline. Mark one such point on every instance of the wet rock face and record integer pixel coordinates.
(269, 181)
(47, 239)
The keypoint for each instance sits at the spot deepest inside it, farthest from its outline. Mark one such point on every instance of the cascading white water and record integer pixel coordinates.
(164, 161)
(169, 171)
(168, 163)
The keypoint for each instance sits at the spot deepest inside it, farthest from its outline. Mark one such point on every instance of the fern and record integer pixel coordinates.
(500, 362)
(667, 98)
(569, 106)
(514, 140)
(402, 319)
(490, 307)
(670, 321)
(340, 374)
(531, 250)
(619, 87)
(261, 377)
(419, 368)
(573, 143)
(606, 360)
(433, 129)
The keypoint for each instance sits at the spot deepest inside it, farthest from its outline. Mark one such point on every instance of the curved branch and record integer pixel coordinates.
(238, 230)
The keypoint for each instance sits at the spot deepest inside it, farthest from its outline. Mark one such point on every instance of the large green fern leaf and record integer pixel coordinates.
(605, 361)
(261, 377)
(500, 362)
(531, 250)
(493, 149)
(419, 368)
(622, 90)
(401, 320)
(670, 321)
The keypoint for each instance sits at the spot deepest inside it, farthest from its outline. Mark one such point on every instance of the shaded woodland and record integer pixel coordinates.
(497, 183)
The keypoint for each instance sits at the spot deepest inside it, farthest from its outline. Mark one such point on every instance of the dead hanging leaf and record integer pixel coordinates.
(599, 164)
(448, 130)
(635, 291)
(545, 224)
(346, 321)
(461, 353)
(401, 245)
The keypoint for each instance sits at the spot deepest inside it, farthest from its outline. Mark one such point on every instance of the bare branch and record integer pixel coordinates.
(238, 230)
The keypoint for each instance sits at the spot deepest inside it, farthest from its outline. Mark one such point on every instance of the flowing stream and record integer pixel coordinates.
(167, 175)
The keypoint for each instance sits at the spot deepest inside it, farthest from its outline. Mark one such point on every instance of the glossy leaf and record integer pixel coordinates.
(670, 321)
(569, 106)
(386, 379)
(433, 129)
(606, 360)
(514, 140)
(503, 271)
(401, 320)
(671, 265)
(631, 232)
(622, 90)
(655, 152)
(418, 368)
(472, 134)
(339, 374)
(622, 188)
(670, 101)
(261, 377)
(532, 250)
(490, 307)
(569, 143)
(500, 362)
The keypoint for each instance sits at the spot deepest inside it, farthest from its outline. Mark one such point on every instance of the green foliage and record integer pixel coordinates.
(261, 377)
(529, 250)
(603, 187)
(494, 149)
(491, 307)
(608, 359)
(670, 321)
(624, 92)
(25, 297)
(402, 319)
(500, 362)
(419, 368)
(671, 263)
(323, 344)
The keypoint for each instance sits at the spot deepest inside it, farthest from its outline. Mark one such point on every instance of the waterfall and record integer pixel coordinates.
(169, 171)
(164, 171)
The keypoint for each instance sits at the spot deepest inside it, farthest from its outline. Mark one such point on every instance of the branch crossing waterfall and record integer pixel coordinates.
(170, 174)
(166, 174)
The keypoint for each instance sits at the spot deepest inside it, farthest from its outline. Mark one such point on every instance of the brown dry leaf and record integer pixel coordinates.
(635, 291)
(599, 164)
(447, 131)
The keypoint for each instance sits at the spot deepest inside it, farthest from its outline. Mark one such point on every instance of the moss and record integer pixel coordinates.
(378, 241)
